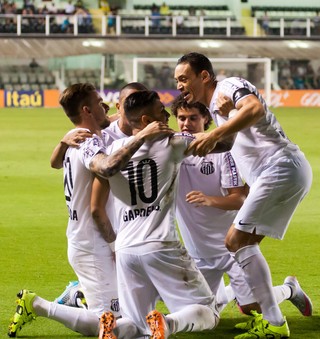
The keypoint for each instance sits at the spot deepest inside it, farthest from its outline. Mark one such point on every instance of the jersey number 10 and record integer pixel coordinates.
(137, 175)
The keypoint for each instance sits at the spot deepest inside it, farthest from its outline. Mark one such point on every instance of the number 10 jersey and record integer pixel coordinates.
(145, 192)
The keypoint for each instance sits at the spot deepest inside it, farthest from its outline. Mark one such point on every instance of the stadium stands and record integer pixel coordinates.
(184, 21)
(24, 78)
(209, 20)
(82, 75)
(301, 21)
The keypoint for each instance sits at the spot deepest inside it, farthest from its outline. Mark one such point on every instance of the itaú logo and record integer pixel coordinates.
(23, 98)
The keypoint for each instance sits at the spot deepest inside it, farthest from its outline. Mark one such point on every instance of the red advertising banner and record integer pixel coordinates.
(50, 98)
(295, 98)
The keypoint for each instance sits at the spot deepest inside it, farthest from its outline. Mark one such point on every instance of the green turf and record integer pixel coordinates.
(34, 217)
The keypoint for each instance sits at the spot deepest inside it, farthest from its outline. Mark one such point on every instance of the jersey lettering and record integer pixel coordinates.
(73, 215)
(68, 188)
(68, 181)
(232, 168)
(140, 212)
(136, 181)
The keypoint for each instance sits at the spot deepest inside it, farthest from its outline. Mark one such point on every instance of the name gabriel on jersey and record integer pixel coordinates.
(140, 212)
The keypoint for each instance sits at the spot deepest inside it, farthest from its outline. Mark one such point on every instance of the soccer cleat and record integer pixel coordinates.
(264, 330)
(107, 324)
(253, 322)
(72, 296)
(298, 297)
(80, 299)
(24, 312)
(158, 326)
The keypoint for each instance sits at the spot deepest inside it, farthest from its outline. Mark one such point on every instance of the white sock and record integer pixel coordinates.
(258, 277)
(282, 292)
(192, 318)
(126, 329)
(229, 294)
(77, 319)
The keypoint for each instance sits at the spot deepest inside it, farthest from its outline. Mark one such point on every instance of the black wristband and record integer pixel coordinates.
(240, 93)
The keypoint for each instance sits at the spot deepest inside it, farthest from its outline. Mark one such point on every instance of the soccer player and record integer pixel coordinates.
(276, 170)
(118, 128)
(210, 191)
(90, 235)
(89, 246)
(151, 262)
(101, 198)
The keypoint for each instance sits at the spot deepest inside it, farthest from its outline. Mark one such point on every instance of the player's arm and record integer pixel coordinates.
(249, 111)
(232, 201)
(108, 165)
(99, 197)
(72, 139)
(222, 146)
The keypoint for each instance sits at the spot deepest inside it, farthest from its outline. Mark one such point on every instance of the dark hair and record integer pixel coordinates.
(74, 97)
(134, 85)
(137, 86)
(198, 62)
(180, 102)
(138, 104)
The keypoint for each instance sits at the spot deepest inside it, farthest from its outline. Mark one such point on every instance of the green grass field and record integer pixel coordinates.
(34, 218)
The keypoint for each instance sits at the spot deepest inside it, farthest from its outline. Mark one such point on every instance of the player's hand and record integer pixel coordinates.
(224, 104)
(198, 199)
(155, 129)
(74, 139)
(202, 145)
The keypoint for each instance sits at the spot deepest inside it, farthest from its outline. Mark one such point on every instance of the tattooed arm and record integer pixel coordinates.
(99, 198)
(108, 165)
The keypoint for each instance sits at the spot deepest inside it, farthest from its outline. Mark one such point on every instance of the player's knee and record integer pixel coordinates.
(246, 309)
(230, 244)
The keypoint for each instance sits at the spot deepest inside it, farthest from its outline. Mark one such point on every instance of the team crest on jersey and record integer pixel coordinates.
(115, 307)
(88, 152)
(207, 167)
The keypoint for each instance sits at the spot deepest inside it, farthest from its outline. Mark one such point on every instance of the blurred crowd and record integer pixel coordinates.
(33, 17)
(29, 7)
(292, 74)
(297, 74)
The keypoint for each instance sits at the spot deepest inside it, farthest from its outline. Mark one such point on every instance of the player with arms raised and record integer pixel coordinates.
(276, 170)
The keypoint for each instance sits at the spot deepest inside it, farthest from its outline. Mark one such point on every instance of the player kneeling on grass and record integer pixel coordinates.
(150, 257)
(151, 261)
(29, 305)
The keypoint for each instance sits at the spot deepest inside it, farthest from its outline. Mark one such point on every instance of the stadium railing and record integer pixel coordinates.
(148, 26)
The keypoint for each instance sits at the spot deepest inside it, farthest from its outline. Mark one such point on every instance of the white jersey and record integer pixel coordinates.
(204, 228)
(144, 193)
(259, 145)
(88, 252)
(113, 133)
(82, 231)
